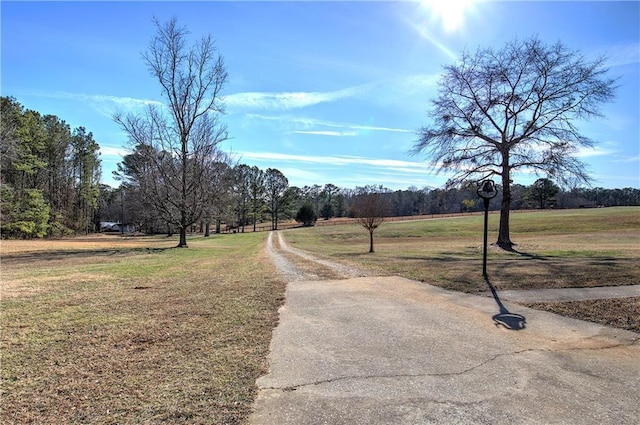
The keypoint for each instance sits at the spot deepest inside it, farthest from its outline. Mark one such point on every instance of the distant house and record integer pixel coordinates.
(115, 227)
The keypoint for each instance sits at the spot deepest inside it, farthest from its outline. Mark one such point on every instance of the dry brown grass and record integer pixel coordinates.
(555, 249)
(110, 330)
(114, 330)
(623, 313)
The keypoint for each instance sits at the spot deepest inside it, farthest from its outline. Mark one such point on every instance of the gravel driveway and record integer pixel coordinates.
(296, 265)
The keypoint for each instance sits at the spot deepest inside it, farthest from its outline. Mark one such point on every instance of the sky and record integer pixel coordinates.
(326, 92)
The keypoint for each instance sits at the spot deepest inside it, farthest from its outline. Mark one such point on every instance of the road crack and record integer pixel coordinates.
(481, 364)
(404, 375)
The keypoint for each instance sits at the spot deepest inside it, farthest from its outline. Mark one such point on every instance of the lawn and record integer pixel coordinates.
(565, 248)
(129, 330)
(555, 249)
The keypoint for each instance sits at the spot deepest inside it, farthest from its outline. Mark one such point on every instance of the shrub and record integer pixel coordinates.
(306, 215)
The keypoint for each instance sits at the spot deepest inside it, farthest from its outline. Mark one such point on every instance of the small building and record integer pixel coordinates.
(116, 227)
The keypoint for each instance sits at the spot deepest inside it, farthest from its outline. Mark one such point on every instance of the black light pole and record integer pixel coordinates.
(487, 191)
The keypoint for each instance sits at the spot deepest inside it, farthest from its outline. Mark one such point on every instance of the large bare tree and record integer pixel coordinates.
(182, 136)
(517, 108)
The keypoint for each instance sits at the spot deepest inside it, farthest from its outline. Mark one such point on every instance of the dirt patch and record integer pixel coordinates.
(26, 287)
(623, 313)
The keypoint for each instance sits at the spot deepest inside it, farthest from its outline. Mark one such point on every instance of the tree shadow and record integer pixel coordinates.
(505, 318)
(512, 249)
(39, 256)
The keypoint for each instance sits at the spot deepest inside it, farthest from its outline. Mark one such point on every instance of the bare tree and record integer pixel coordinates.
(221, 186)
(256, 193)
(276, 185)
(183, 136)
(370, 208)
(242, 192)
(515, 109)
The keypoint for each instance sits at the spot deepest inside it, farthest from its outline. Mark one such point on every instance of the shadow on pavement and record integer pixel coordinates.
(505, 318)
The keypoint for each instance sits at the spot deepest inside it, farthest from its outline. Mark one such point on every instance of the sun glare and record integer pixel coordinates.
(450, 13)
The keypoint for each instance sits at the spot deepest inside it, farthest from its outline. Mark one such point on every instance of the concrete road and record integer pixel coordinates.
(387, 350)
(570, 294)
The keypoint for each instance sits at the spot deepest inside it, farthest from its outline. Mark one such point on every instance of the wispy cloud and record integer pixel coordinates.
(328, 133)
(384, 91)
(113, 151)
(340, 160)
(238, 102)
(310, 169)
(417, 84)
(304, 175)
(586, 152)
(628, 160)
(124, 101)
(308, 124)
(105, 104)
(623, 54)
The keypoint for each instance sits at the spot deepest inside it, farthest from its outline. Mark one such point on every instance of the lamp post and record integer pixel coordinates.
(487, 191)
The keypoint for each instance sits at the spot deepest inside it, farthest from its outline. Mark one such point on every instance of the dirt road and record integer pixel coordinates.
(296, 265)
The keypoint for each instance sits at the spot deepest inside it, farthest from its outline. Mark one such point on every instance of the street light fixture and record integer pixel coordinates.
(487, 191)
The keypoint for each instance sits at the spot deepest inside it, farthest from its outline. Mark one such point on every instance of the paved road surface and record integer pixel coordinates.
(571, 294)
(388, 350)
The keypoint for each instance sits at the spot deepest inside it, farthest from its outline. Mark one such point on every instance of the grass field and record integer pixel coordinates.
(106, 330)
(564, 248)
(112, 330)
(555, 249)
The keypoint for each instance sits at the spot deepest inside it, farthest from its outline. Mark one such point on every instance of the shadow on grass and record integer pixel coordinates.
(526, 254)
(505, 318)
(75, 254)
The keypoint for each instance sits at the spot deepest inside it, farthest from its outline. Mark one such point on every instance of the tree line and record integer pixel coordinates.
(49, 174)
(250, 196)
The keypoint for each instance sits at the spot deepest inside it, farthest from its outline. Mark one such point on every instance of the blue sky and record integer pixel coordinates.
(326, 92)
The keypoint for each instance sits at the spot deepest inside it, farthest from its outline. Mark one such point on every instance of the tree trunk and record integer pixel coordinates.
(183, 238)
(183, 204)
(274, 218)
(371, 241)
(244, 215)
(207, 231)
(504, 238)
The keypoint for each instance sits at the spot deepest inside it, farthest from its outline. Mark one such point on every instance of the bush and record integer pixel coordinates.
(306, 215)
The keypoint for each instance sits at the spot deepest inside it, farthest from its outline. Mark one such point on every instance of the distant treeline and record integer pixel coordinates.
(50, 187)
(242, 209)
